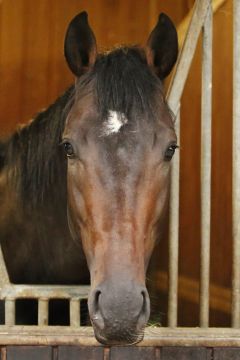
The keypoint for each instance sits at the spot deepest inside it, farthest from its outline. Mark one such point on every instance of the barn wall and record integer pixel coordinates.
(32, 67)
(33, 73)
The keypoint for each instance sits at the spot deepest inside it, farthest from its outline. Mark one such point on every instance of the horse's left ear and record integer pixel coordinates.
(80, 45)
(162, 47)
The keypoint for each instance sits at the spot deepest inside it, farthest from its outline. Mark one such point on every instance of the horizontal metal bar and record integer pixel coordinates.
(44, 291)
(31, 335)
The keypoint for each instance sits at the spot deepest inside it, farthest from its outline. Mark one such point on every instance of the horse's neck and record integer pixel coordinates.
(34, 232)
(36, 243)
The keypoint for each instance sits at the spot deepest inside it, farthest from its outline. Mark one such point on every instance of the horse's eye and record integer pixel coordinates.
(170, 152)
(68, 148)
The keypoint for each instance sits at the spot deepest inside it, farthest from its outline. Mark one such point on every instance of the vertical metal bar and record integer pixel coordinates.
(75, 312)
(4, 278)
(3, 353)
(10, 312)
(236, 168)
(187, 52)
(174, 234)
(206, 131)
(42, 312)
(106, 353)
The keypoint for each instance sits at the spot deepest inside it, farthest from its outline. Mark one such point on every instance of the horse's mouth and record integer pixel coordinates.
(112, 339)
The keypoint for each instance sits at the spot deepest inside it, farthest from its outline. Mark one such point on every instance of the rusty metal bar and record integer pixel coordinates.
(4, 278)
(43, 312)
(186, 55)
(44, 291)
(206, 131)
(174, 234)
(10, 312)
(236, 168)
(75, 312)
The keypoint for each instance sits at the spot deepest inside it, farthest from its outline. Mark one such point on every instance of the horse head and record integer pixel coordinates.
(119, 139)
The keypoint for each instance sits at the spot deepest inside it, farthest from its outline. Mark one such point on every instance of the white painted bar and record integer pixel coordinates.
(43, 312)
(174, 233)
(206, 140)
(10, 312)
(4, 278)
(187, 52)
(75, 312)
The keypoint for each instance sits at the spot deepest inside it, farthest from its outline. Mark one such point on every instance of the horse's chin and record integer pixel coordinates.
(118, 339)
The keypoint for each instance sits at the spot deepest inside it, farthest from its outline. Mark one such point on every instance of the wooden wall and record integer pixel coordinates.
(32, 66)
(33, 73)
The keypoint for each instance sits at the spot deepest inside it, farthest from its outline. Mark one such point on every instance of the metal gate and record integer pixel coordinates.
(170, 342)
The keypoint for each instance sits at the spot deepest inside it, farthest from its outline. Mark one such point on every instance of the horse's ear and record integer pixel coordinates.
(80, 45)
(162, 47)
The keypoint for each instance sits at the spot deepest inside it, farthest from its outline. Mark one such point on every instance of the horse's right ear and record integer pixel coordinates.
(80, 45)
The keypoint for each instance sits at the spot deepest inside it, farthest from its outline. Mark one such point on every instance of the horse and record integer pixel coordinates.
(84, 186)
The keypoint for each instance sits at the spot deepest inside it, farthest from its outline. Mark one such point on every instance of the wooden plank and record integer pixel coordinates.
(29, 353)
(183, 353)
(132, 352)
(80, 352)
(226, 353)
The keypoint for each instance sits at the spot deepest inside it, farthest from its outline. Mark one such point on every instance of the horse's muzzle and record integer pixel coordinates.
(119, 311)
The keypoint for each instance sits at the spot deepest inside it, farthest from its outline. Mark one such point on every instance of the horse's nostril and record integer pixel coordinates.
(144, 313)
(96, 315)
(96, 298)
(144, 301)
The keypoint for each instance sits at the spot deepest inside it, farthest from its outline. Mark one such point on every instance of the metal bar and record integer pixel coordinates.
(84, 336)
(10, 312)
(186, 55)
(44, 291)
(75, 313)
(206, 131)
(4, 278)
(182, 27)
(188, 290)
(174, 234)
(3, 353)
(236, 168)
(42, 312)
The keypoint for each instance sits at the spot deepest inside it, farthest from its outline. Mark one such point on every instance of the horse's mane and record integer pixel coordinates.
(32, 157)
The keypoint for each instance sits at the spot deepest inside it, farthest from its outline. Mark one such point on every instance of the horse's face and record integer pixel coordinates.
(119, 139)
